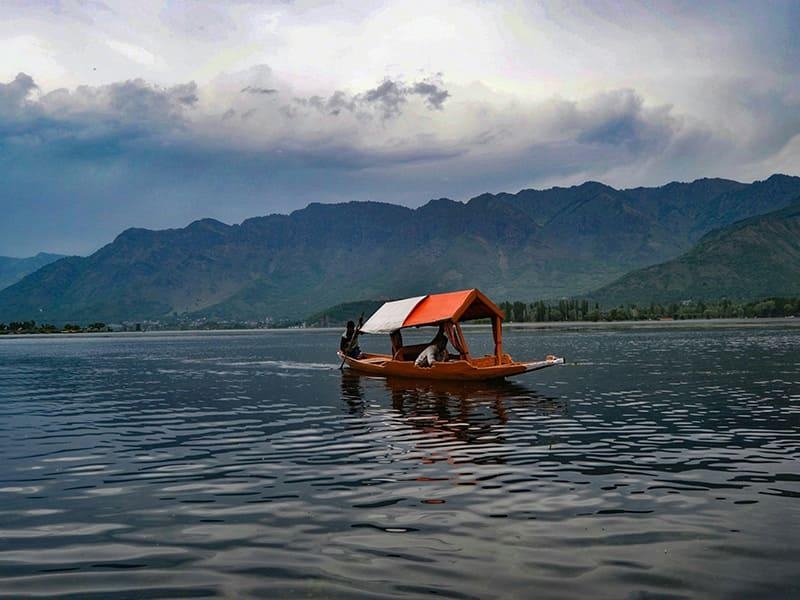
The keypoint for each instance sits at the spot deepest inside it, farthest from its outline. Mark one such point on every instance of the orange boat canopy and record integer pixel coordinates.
(433, 309)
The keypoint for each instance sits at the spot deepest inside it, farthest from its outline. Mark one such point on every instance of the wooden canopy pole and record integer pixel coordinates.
(462, 340)
(497, 333)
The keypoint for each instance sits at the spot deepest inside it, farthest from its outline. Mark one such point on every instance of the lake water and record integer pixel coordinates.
(658, 463)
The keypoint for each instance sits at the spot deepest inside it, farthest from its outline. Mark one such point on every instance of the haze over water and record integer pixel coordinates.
(657, 463)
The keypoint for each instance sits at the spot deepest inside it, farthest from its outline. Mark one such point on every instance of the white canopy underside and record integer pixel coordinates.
(391, 316)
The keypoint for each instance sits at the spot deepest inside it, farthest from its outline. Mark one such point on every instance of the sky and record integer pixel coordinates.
(118, 114)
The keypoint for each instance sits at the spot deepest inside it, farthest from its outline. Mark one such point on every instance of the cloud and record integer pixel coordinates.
(334, 105)
(251, 89)
(122, 102)
(105, 157)
(375, 128)
(432, 92)
(139, 101)
(619, 118)
(14, 94)
(385, 101)
(93, 132)
(392, 94)
(155, 114)
(389, 95)
(135, 53)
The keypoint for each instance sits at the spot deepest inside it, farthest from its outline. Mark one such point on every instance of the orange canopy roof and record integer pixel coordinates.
(431, 310)
(452, 306)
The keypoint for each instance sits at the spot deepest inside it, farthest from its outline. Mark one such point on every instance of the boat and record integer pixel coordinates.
(447, 311)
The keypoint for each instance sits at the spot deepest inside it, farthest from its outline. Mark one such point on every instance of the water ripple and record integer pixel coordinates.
(660, 464)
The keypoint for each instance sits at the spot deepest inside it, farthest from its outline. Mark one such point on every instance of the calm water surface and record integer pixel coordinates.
(656, 464)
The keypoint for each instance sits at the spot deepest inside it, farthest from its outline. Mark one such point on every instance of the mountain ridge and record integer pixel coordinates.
(533, 244)
(752, 258)
(13, 269)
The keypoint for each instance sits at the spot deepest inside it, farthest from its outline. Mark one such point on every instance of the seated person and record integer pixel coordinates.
(436, 351)
(348, 343)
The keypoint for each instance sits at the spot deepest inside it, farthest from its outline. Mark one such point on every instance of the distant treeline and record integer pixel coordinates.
(584, 310)
(32, 327)
(516, 312)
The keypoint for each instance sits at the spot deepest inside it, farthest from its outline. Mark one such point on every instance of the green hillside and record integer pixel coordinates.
(754, 258)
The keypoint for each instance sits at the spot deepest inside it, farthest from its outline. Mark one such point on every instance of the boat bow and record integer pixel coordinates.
(541, 364)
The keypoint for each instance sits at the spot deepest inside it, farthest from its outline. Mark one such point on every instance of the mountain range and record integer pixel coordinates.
(755, 257)
(14, 269)
(529, 245)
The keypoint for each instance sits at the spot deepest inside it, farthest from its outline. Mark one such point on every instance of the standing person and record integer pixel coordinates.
(348, 344)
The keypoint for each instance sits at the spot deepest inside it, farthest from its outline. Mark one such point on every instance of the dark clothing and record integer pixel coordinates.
(344, 344)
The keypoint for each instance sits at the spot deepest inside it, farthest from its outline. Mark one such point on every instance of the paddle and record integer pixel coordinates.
(353, 340)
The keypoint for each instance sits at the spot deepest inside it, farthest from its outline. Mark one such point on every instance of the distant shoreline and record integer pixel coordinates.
(665, 324)
(771, 322)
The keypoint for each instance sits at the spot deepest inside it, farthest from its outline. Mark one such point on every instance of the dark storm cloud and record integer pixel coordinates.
(386, 100)
(619, 118)
(90, 115)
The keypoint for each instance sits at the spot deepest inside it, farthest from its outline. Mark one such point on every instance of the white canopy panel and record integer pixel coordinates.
(391, 316)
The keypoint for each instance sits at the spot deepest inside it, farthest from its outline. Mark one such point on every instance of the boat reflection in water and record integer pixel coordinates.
(447, 415)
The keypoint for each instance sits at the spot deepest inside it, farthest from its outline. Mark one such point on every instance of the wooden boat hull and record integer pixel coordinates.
(382, 365)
